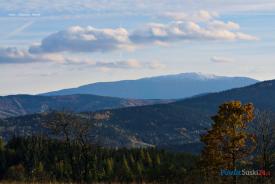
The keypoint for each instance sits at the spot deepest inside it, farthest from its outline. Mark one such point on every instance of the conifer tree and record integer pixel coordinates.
(148, 159)
(127, 170)
(158, 160)
(110, 166)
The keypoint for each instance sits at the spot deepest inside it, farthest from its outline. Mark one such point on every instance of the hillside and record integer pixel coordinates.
(162, 87)
(183, 121)
(17, 105)
(173, 125)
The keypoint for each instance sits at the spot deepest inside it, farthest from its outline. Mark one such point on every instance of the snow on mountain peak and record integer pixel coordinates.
(191, 75)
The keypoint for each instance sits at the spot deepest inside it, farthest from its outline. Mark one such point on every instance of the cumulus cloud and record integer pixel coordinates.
(83, 39)
(12, 55)
(201, 25)
(217, 59)
(178, 31)
(89, 39)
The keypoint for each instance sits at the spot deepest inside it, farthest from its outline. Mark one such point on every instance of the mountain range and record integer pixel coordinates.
(173, 125)
(18, 105)
(161, 87)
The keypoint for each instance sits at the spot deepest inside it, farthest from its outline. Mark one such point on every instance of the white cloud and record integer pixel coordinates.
(13, 55)
(16, 56)
(83, 39)
(217, 59)
(201, 25)
(188, 30)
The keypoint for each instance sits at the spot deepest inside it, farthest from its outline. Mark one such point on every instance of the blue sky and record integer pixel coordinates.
(50, 45)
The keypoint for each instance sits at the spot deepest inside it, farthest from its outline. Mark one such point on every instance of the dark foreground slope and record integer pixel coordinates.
(16, 105)
(40, 160)
(175, 125)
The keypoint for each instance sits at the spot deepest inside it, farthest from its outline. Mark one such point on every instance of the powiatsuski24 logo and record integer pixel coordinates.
(244, 172)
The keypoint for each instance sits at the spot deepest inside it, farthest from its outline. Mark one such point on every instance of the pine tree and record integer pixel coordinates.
(158, 160)
(142, 155)
(148, 159)
(110, 166)
(132, 160)
(127, 170)
(140, 168)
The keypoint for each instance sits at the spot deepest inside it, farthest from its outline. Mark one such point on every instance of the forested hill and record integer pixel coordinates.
(183, 121)
(16, 105)
(172, 125)
(261, 94)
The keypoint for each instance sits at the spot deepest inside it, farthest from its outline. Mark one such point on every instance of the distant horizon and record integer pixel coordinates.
(169, 74)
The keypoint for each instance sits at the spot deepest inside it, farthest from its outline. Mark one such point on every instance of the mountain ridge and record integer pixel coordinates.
(16, 105)
(176, 86)
(175, 125)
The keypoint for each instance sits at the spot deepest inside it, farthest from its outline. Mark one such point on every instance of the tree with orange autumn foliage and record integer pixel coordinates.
(228, 142)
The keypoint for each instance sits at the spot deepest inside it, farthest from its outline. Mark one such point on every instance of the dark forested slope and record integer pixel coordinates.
(166, 125)
(16, 105)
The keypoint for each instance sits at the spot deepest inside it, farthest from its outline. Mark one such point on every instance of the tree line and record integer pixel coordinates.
(39, 159)
(240, 138)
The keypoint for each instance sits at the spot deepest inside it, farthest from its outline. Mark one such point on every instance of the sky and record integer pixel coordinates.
(54, 44)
